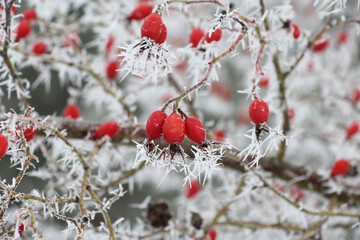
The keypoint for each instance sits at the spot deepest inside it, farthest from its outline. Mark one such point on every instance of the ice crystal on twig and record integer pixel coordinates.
(147, 59)
(255, 149)
(206, 160)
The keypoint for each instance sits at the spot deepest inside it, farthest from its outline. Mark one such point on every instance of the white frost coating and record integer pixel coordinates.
(147, 59)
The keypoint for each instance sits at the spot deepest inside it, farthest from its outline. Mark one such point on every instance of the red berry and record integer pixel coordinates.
(141, 11)
(174, 129)
(215, 36)
(264, 82)
(192, 190)
(194, 130)
(154, 125)
(109, 44)
(291, 113)
(39, 48)
(355, 95)
(30, 14)
(296, 32)
(21, 229)
(195, 37)
(71, 111)
(154, 28)
(111, 69)
(258, 111)
(219, 135)
(342, 37)
(163, 34)
(211, 235)
(3, 145)
(340, 167)
(110, 129)
(13, 10)
(352, 129)
(29, 133)
(23, 30)
(321, 44)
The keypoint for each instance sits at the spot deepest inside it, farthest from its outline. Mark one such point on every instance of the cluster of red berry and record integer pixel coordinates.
(153, 28)
(174, 128)
(197, 36)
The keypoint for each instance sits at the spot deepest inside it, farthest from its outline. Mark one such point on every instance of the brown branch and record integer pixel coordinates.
(285, 171)
(258, 225)
(301, 208)
(5, 56)
(282, 90)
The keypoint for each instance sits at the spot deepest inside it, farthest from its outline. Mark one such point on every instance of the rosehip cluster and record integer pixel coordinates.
(174, 128)
(198, 34)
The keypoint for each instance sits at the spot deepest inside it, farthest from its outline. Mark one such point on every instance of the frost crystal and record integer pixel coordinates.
(147, 59)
